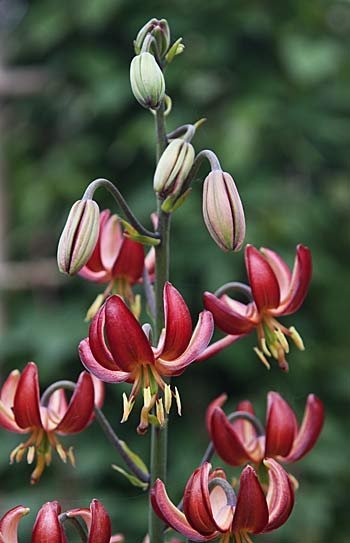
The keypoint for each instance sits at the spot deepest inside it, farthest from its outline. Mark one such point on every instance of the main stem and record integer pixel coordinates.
(159, 436)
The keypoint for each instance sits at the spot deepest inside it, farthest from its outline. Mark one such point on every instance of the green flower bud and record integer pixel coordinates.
(223, 211)
(147, 81)
(79, 236)
(173, 168)
(160, 31)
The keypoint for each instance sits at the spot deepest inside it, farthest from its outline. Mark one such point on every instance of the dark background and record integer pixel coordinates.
(272, 78)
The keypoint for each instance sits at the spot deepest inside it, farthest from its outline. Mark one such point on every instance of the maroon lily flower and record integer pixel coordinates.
(48, 524)
(276, 291)
(212, 510)
(22, 411)
(118, 350)
(240, 437)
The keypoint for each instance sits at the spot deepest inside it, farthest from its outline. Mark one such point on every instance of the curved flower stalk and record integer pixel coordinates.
(276, 291)
(48, 526)
(23, 412)
(237, 441)
(212, 509)
(118, 350)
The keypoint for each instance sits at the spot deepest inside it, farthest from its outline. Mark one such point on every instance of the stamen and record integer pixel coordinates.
(296, 337)
(30, 454)
(264, 347)
(147, 397)
(282, 339)
(128, 404)
(71, 457)
(39, 469)
(178, 401)
(61, 452)
(160, 412)
(168, 398)
(262, 357)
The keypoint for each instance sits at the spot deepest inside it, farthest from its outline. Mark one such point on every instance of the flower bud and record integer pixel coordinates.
(147, 81)
(223, 211)
(160, 31)
(173, 168)
(79, 236)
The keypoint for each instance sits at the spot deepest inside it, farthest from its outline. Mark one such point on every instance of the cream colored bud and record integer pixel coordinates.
(147, 81)
(223, 211)
(79, 236)
(159, 30)
(173, 168)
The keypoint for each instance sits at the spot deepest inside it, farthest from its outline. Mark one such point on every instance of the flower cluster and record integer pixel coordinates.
(48, 526)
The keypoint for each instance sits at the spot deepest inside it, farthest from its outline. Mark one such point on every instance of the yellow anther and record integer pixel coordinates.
(61, 452)
(294, 481)
(40, 466)
(94, 307)
(136, 306)
(127, 407)
(282, 339)
(30, 454)
(264, 347)
(178, 401)
(168, 398)
(296, 337)
(274, 350)
(160, 412)
(147, 397)
(262, 357)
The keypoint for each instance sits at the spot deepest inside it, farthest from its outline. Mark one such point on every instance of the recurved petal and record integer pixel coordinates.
(9, 524)
(309, 430)
(7, 395)
(172, 516)
(227, 442)
(127, 342)
(226, 318)
(95, 263)
(280, 495)
(264, 284)
(281, 426)
(299, 284)
(111, 241)
(97, 341)
(218, 402)
(80, 407)
(100, 529)
(178, 324)
(130, 261)
(280, 269)
(196, 501)
(27, 399)
(47, 528)
(251, 512)
(200, 339)
(99, 390)
(93, 366)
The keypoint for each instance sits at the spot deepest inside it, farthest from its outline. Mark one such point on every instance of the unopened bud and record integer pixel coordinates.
(223, 211)
(147, 81)
(79, 236)
(159, 30)
(173, 168)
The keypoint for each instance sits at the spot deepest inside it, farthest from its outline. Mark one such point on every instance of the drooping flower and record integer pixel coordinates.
(48, 526)
(275, 291)
(22, 411)
(118, 350)
(212, 510)
(240, 438)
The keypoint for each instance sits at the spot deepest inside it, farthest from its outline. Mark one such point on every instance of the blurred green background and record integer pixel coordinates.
(273, 79)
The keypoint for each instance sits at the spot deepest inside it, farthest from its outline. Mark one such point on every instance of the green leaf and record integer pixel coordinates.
(131, 478)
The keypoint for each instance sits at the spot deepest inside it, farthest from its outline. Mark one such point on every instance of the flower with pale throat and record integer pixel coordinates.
(275, 291)
(119, 350)
(45, 419)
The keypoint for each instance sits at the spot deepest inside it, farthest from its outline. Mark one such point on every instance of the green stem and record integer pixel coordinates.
(159, 437)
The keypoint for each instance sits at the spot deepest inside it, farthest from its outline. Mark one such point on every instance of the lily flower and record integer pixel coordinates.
(119, 350)
(22, 411)
(116, 260)
(275, 291)
(48, 527)
(212, 510)
(240, 437)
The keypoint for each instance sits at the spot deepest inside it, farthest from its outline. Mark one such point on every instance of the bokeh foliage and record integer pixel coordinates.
(273, 80)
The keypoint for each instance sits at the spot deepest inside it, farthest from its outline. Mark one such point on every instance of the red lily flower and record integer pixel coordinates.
(22, 411)
(211, 509)
(118, 350)
(238, 439)
(49, 529)
(276, 291)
